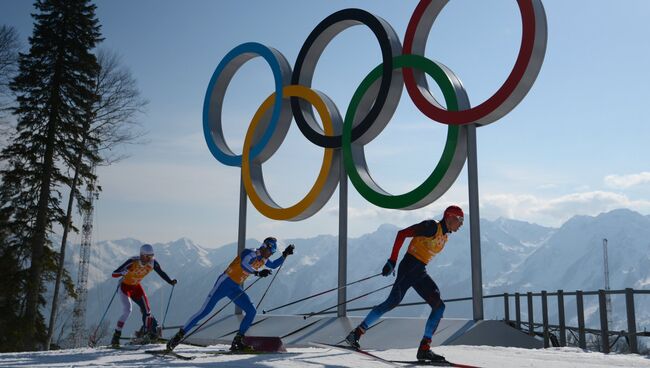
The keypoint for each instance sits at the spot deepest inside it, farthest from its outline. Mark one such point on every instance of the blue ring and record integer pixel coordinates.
(267, 54)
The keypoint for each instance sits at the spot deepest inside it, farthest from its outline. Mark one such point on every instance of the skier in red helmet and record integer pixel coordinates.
(428, 238)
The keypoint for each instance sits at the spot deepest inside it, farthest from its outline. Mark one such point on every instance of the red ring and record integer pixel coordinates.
(497, 99)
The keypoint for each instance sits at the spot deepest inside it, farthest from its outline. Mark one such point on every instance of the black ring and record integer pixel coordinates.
(309, 54)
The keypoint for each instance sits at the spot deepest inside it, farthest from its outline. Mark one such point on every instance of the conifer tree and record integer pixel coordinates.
(55, 91)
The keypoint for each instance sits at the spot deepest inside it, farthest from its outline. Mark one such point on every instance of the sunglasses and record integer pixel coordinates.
(459, 218)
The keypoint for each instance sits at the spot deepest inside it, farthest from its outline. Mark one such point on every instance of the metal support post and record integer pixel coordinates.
(343, 242)
(474, 223)
(545, 318)
(531, 320)
(560, 314)
(631, 320)
(517, 311)
(241, 234)
(506, 307)
(604, 328)
(582, 340)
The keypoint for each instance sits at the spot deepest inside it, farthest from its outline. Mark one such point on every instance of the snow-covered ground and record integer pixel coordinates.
(482, 356)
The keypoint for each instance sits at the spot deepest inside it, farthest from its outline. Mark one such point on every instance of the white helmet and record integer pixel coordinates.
(146, 249)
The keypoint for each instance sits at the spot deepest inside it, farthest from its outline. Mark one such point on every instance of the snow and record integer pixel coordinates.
(483, 356)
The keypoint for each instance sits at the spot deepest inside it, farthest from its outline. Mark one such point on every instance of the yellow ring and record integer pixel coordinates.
(320, 193)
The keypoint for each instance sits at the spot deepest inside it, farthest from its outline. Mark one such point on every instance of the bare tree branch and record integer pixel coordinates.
(115, 115)
(9, 47)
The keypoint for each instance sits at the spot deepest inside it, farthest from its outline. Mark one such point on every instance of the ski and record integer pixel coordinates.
(446, 363)
(245, 352)
(355, 350)
(132, 348)
(169, 353)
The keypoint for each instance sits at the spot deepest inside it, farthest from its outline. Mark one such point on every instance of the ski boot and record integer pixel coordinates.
(153, 332)
(426, 355)
(238, 344)
(171, 344)
(115, 341)
(353, 337)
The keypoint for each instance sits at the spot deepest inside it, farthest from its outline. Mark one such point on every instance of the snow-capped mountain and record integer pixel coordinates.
(517, 257)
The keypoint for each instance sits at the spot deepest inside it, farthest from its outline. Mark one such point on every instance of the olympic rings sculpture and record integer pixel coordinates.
(370, 110)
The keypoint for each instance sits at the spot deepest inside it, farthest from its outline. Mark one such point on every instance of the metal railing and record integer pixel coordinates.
(547, 333)
(604, 332)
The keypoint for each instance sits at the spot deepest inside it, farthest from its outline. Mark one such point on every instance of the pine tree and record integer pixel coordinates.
(55, 91)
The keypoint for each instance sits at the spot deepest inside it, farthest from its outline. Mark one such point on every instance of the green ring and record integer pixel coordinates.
(412, 199)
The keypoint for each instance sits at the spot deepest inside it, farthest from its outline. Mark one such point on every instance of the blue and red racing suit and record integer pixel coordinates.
(229, 284)
(132, 272)
(428, 239)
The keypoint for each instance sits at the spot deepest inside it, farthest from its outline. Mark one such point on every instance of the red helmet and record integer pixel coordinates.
(454, 211)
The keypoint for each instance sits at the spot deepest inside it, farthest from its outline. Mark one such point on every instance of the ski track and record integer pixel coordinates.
(483, 356)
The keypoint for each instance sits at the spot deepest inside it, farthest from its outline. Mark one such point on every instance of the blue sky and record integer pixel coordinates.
(576, 145)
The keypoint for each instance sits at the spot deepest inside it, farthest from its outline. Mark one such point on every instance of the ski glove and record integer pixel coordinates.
(265, 272)
(174, 282)
(388, 268)
(288, 251)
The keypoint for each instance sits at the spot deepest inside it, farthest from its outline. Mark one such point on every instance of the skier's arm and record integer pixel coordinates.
(161, 273)
(409, 232)
(275, 263)
(121, 271)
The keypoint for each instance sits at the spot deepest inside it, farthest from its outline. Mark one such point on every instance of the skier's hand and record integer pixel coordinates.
(174, 282)
(265, 272)
(288, 251)
(388, 268)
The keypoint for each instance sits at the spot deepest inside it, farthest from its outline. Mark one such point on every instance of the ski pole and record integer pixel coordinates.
(321, 293)
(219, 311)
(269, 287)
(91, 339)
(346, 302)
(168, 302)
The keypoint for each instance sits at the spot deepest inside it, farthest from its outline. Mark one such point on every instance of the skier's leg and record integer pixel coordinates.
(394, 298)
(429, 291)
(407, 273)
(126, 311)
(403, 283)
(244, 302)
(214, 296)
(140, 298)
(126, 308)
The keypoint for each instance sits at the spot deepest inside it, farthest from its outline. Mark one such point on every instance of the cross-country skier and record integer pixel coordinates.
(132, 272)
(428, 239)
(229, 284)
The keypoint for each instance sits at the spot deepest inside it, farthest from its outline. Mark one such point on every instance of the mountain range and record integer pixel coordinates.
(517, 256)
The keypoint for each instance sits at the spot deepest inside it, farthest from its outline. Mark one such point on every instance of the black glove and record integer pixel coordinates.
(288, 251)
(388, 268)
(265, 272)
(174, 282)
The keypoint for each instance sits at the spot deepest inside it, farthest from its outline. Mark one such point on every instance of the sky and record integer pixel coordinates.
(576, 144)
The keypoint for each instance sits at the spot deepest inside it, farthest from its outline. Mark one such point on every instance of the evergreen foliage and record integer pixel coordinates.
(55, 91)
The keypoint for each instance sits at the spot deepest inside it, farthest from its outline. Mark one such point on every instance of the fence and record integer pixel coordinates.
(547, 329)
(630, 335)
